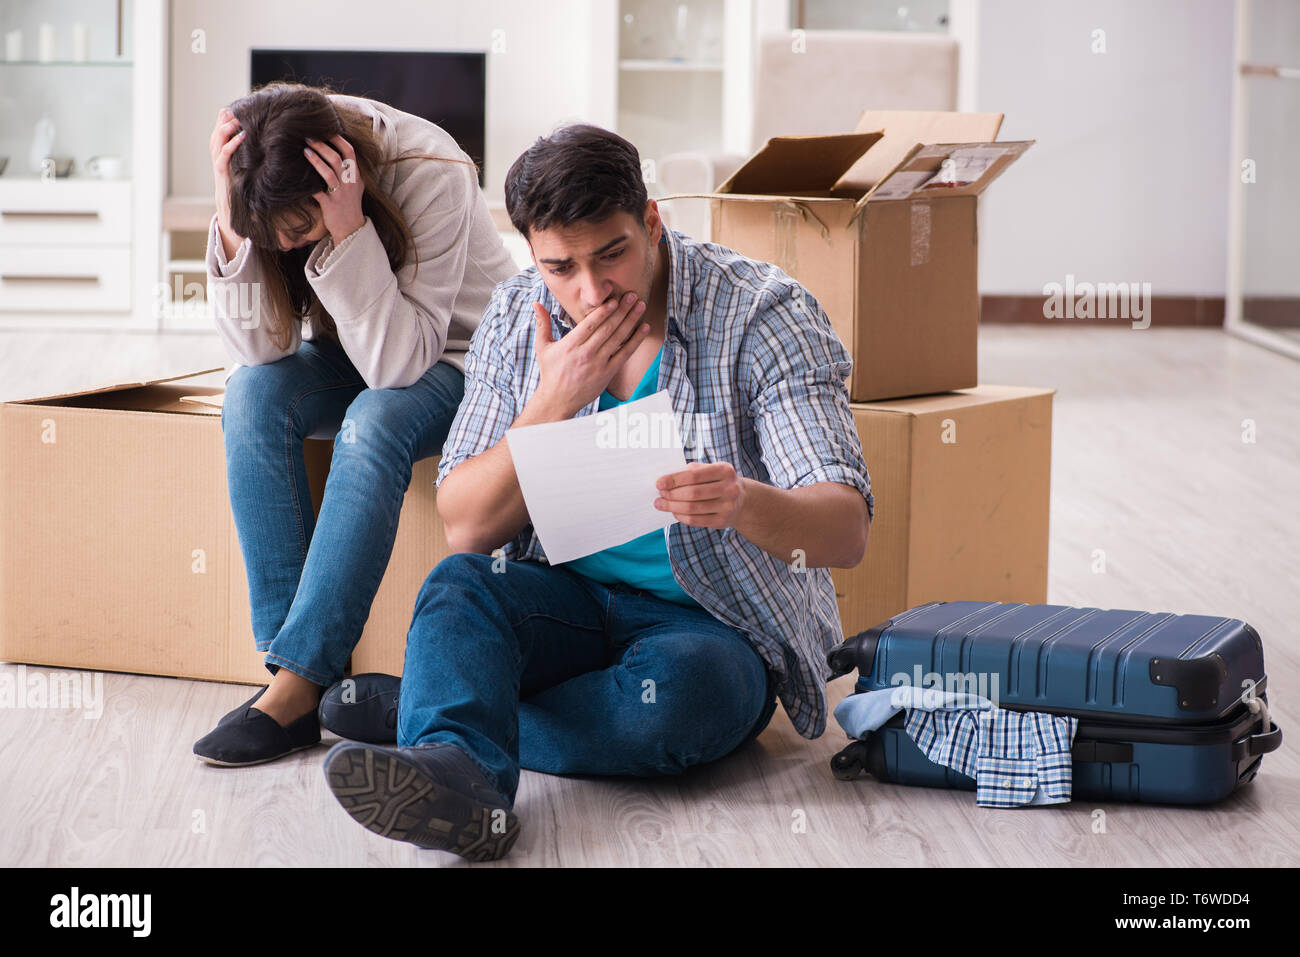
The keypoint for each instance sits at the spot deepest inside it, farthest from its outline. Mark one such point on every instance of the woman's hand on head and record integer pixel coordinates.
(226, 137)
(340, 204)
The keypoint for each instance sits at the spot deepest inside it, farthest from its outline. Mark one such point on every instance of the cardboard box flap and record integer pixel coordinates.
(787, 165)
(902, 131)
(948, 169)
(822, 196)
(960, 398)
(117, 386)
(211, 400)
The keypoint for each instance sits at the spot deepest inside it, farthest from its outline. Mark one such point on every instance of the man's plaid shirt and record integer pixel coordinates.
(752, 362)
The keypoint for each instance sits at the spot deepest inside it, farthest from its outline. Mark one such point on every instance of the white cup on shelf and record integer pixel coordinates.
(14, 45)
(45, 43)
(104, 167)
(80, 42)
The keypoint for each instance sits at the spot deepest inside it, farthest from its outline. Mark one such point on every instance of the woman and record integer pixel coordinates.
(350, 259)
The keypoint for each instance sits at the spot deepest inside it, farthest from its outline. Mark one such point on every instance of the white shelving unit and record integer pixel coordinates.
(684, 73)
(77, 252)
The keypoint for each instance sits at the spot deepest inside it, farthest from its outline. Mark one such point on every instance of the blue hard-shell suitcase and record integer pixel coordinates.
(1169, 706)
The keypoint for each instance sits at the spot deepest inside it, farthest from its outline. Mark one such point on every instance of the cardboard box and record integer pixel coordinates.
(894, 263)
(962, 484)
(118, 551)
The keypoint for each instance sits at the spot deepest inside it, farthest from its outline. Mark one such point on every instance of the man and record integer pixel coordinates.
(667, 651)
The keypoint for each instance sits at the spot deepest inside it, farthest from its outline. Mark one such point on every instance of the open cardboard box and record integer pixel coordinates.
(893, 262)
(118, 551)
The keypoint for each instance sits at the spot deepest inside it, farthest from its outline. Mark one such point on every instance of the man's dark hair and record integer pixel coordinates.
(579, 173)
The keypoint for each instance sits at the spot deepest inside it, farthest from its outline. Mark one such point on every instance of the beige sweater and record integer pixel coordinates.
(394, 327)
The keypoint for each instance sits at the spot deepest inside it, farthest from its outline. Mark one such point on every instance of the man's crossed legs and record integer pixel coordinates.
(537, 666)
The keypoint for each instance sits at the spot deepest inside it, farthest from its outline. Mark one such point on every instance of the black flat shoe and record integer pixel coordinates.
(433, 796)
(230, 716)
(369, 712)
(256, 737)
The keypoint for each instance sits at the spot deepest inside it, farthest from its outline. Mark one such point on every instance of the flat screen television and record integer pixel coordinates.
(449, 89)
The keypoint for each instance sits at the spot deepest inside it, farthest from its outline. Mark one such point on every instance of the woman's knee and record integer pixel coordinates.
(380, 419)
(257, 395)
(445, 381)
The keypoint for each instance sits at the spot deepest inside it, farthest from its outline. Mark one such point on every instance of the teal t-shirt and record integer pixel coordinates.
(642, 562)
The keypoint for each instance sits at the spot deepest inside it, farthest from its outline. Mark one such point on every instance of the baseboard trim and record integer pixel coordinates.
(1276, 312)
(1164, 311)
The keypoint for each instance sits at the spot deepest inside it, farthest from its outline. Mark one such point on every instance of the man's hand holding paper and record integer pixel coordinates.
(710, 494)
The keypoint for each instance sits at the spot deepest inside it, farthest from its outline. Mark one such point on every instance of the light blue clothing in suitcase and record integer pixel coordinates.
(861, 713)
(1015, 758)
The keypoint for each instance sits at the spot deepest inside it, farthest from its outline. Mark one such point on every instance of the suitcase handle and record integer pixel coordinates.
(1254, 745)
(1103, 752)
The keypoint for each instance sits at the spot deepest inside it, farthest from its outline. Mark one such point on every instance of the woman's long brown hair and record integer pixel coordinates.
(271, 188)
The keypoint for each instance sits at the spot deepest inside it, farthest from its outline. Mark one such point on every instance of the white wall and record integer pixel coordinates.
(1127, 179)
(542, 78)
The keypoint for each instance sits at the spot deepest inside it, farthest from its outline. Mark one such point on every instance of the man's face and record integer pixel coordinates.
(585, 264)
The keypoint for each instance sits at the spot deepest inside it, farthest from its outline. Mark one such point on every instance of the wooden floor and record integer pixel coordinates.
(1148, 464)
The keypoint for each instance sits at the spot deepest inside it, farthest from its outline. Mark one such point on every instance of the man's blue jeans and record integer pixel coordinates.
(311, 581)
(523, 663)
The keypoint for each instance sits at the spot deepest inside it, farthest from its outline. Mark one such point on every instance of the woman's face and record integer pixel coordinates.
(289, 240)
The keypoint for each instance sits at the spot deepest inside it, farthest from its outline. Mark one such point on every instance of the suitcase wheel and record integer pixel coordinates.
(842, 659)
(851, 762)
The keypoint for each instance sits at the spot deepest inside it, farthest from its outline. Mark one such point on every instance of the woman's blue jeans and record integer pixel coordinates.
(311, 581)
